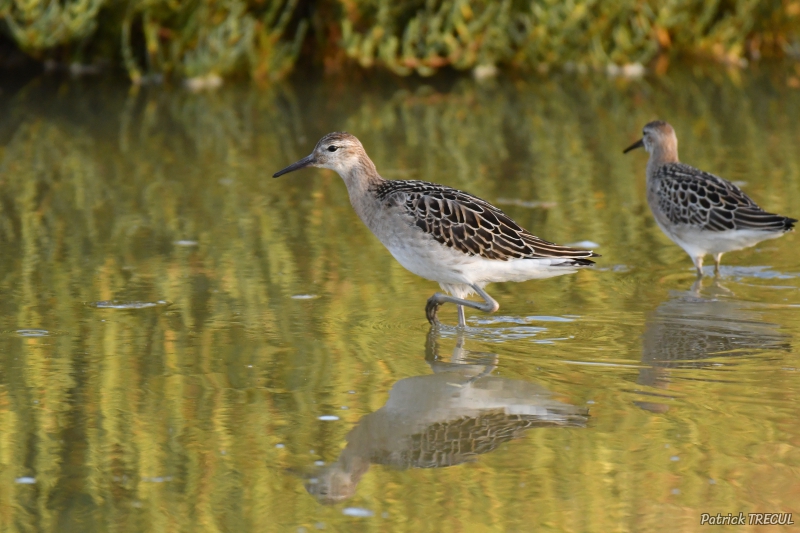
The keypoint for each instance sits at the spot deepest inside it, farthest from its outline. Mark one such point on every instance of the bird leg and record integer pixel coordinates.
(462, 321)
(698, 263)
(489, 304)
(717, 259)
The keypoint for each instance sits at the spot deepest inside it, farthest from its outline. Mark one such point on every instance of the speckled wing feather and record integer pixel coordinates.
(690, 196)
(471, 225)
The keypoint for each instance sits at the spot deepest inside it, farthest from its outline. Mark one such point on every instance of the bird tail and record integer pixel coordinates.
(579, 262)
(754, 218)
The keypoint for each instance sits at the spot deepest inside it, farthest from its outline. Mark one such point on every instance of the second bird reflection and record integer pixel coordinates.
(693, 328)
(443, 419)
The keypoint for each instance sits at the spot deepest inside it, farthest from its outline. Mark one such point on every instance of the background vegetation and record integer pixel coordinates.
(205, 40)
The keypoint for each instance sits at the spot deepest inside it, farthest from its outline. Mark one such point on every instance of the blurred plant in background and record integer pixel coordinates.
(209, 39)
(206, 40)
(202, 40)
(425, 35)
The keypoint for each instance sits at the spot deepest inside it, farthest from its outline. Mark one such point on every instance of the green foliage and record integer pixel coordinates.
(211, 39)
(424, 36)
(589, 32)
(41, 24)
(406, 37)
(198, 38)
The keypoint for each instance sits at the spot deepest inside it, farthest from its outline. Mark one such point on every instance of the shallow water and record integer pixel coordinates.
(187, 344)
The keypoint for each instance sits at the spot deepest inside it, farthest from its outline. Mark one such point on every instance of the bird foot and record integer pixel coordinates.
(431, 309)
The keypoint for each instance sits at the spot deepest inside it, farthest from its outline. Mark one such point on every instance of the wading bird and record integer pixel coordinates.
(702, 213)
(439, 233)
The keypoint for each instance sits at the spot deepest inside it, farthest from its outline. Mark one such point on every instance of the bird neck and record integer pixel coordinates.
(361, 178)
(662, 154)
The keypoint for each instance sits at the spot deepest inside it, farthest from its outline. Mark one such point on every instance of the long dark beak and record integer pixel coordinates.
(634, 146)
(306, 161)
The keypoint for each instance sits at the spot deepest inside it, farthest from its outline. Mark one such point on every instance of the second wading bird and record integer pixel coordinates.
(439, 233)
(702, 213)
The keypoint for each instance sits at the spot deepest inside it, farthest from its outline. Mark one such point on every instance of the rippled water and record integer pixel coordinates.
(187, 344)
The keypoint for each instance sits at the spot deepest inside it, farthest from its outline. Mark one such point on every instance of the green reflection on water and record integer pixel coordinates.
(235, 310)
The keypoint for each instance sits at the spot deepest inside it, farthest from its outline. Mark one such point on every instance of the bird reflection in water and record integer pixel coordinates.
(693, 328)
(443, 419)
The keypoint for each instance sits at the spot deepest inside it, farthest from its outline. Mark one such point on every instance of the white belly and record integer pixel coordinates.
(421, 254)
(697, 242)
(431, 260)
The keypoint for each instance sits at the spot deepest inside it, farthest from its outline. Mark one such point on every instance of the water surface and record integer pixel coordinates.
(187, 344)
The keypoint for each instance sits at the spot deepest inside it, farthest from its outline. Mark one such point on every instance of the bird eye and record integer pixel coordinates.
(332, 148)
